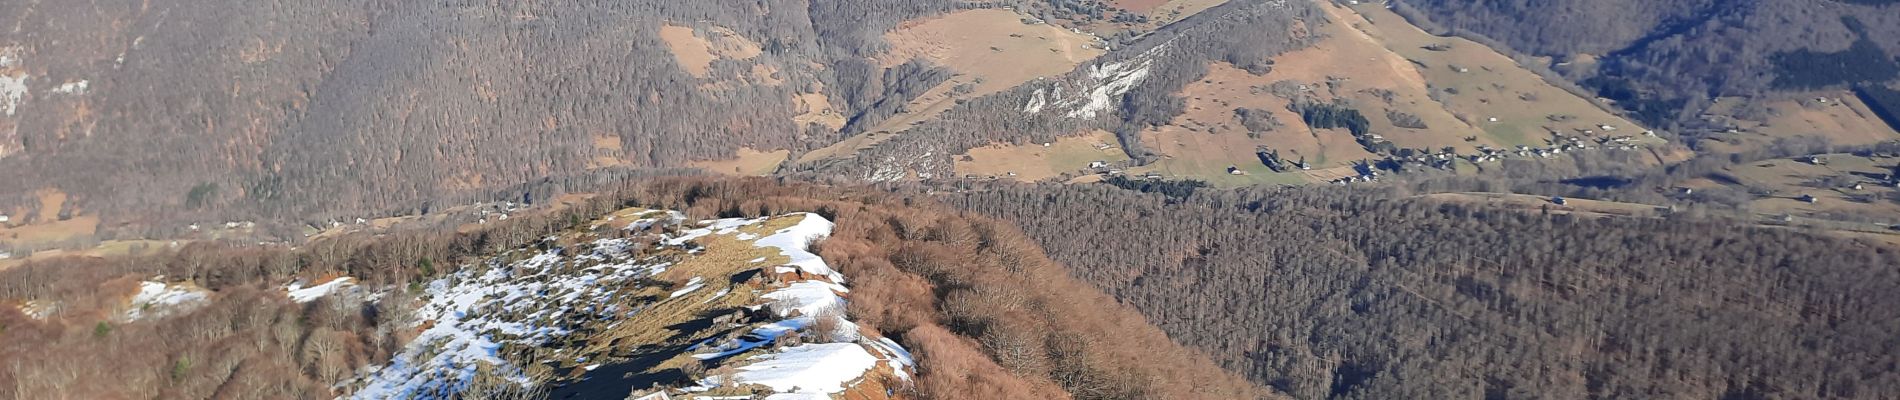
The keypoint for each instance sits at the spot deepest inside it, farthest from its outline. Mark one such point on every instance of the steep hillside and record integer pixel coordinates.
(312, 111)
(985, 50)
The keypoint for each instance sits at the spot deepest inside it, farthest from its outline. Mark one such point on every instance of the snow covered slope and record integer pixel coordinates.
(302, 294)
(642, 299)
(156, 300)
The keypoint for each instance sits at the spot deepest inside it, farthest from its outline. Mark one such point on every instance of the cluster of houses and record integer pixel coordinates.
(1106, 168)
(498, 210)
(1890, 180)
(484, 211)
(1556, 147)
(1010, 174)
(1365, 172)
(1098, 42)
(228, 225)
(1401, 159)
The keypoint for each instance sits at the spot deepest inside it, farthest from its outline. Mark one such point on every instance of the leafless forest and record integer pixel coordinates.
(371, 106)
(1361, 294)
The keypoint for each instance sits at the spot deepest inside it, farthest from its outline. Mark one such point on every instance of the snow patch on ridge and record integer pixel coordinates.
(793, 243)
(897, 354)
(469, 316)
(73, 88)
(691, 285)
(38, 310)
(805, 370)
(298, 293)
(156, 300)
(813, 370)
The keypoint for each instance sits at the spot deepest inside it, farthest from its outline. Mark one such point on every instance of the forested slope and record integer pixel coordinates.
(1332, 293)
(316, 109)
(1666, 60)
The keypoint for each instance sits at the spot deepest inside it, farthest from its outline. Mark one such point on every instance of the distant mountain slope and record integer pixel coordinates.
(152, 117)
(309, 109)
(1131, 87)
(1667, 59)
